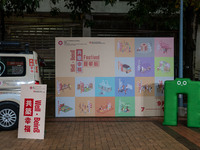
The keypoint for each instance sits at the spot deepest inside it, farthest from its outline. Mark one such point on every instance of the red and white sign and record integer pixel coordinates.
(32, 111)
(79, 60)
(31, 62)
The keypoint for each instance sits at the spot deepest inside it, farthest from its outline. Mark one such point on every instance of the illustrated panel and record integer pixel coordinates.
(104, 87)
(125, 106)
(144, 86)
(159, 85)
(85, 106)
(164, 47)
(65, 87)
(124, 67)
(124, 47)
(85, 87)
(144, 67)
(105, 106)
(164, 66)
(124, 86)
(144, 47)
(65, 106)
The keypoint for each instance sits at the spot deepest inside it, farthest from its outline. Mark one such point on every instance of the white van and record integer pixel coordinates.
(15, 69)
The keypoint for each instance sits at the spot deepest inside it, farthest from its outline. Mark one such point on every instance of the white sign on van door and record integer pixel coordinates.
(32, 111)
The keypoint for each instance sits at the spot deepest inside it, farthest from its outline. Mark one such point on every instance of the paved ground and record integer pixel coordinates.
(107, 134)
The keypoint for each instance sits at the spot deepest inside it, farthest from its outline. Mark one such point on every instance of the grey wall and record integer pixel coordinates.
(99, 7)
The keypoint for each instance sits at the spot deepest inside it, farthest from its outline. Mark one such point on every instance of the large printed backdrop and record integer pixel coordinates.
(112, 76)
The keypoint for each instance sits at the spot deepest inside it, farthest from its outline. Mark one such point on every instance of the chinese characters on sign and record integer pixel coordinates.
(32, 111)
(31, 64)
(28, 112)
(72, 59)
(79, 61)
(28, 107)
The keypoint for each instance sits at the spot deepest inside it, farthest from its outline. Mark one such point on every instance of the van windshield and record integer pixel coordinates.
(12, 66)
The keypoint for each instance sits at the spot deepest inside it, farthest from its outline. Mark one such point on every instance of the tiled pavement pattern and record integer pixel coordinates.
(107, 134)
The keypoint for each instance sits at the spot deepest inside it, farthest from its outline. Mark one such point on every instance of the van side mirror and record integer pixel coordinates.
(42, 62)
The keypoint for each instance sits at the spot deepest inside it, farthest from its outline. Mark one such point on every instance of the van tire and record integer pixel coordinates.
(9, 115)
